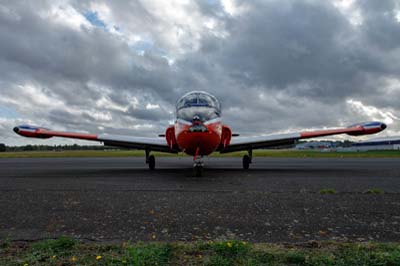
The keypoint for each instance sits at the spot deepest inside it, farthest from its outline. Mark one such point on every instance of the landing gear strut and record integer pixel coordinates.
(247, 159)
(198, 167)
(150, 160)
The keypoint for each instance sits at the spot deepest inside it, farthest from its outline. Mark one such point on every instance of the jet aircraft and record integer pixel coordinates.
(199, 131)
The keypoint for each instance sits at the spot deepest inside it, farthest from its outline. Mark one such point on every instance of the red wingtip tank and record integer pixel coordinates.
(367, 128)
(31, 132)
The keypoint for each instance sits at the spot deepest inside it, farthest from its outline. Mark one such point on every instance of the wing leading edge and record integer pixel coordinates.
(237, 144)
(272, 141)
(141, 143)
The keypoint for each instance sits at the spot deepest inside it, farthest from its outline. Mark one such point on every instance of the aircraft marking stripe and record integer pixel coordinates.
(184, 122)
(218, 119)
(67, 134)
(310, 134)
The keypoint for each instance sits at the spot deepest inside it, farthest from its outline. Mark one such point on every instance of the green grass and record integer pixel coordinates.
(256, 153)
(65, 251)
(374, 191)
(319, 154)
(85, 153)
(328, 191)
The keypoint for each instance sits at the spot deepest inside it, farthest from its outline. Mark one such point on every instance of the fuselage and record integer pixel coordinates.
(198, 129)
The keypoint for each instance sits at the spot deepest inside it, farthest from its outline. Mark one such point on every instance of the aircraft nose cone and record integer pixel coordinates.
(383, 126)
(16, 129)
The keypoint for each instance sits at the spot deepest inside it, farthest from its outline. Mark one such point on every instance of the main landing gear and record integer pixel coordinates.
(247, 159)
(150, 160)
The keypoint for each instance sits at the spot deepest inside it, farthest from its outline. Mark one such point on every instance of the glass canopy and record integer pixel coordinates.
(198, 105)
(198, 98)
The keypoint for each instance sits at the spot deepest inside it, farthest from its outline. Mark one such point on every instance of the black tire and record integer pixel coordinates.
(246, 162)
(152, 162)
(198, 170)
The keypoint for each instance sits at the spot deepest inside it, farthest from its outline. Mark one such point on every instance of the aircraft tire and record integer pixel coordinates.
(198, 170)
(152, 162)
(246, 162)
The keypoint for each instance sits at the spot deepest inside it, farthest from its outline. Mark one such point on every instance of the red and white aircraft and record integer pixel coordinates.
(198, 131)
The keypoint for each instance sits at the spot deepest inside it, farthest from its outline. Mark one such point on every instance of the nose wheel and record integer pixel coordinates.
(198, 167)
(198, 170)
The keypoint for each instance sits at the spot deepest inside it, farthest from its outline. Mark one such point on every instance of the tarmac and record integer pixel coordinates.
(277, 200)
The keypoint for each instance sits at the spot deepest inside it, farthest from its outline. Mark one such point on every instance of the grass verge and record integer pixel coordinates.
(65, 251)
(374, 191)
(328, 191)
(256, 153)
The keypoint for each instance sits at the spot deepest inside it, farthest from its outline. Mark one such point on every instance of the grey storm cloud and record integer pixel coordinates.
(119, 66)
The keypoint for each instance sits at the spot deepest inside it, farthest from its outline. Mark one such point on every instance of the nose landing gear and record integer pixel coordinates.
(198, 170)
(198, 163)
(198, 167)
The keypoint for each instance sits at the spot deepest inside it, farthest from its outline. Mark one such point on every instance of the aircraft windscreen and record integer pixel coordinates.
(201, 104)
(203, 113)
(198, 99)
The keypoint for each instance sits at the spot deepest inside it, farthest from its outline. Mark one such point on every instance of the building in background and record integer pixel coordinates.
(387, 143)
(315, 145)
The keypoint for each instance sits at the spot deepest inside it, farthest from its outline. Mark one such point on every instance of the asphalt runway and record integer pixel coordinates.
(277, 200)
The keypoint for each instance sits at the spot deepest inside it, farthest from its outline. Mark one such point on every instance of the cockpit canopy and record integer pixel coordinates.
(198, 105)
(198, 98)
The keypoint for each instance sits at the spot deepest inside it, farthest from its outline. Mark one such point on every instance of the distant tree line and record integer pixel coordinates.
(73, 147)
(4, 148)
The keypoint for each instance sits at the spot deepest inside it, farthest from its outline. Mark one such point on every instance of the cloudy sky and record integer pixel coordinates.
(119, 66)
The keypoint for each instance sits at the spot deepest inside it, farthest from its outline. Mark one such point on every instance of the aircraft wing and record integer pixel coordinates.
(273, 141)
(141, 143)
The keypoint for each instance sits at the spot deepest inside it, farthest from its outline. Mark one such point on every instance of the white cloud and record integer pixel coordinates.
(176, 27)
(232, 8)
(150, 106)
(373, 113)
(91, 77)
(105, 103)
(34, 95)
(9, 13)
(349, 10)
(397, 15)
(65, 14)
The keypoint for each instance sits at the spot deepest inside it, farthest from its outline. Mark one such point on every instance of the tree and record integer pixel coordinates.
(2, 147)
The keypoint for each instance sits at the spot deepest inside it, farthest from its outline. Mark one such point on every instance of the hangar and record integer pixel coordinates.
(386, 143)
